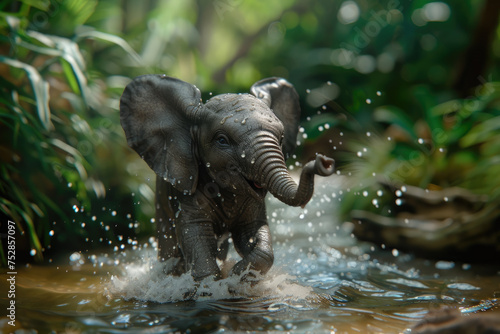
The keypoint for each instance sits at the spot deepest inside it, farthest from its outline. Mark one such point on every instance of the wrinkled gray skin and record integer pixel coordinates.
(215, 163)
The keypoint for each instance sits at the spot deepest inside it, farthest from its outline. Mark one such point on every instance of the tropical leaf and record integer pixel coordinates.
(33, 237)
(80, 10)
(69, 51)
(481, 132)
(40, 89)
(70, 77)
(396, 116)
(112, 39)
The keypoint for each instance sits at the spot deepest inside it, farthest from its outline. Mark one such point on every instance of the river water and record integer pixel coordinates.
(323, 281)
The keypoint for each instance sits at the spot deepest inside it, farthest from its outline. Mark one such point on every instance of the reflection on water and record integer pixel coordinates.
(323, 281)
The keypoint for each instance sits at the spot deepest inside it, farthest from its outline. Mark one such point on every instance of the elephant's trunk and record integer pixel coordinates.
(271, 173)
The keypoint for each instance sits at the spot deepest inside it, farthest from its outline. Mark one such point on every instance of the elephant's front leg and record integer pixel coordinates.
(199, 247)
(253, 242)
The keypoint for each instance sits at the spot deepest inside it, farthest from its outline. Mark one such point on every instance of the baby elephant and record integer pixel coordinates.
(215, 162)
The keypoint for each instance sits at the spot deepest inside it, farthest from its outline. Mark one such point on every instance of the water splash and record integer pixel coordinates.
(146, 280)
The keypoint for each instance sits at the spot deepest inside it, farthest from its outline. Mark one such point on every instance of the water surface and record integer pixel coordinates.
(323, 281)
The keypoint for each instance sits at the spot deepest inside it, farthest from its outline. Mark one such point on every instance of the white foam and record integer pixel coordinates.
(146, 280)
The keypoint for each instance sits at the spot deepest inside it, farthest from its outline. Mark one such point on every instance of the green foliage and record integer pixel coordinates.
(456, 144)
(57, 135)
(385, 68)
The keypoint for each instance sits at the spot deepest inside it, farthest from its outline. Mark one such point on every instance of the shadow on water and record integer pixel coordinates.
(323, 281)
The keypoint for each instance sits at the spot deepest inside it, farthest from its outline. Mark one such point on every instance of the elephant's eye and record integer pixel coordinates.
(222, 140)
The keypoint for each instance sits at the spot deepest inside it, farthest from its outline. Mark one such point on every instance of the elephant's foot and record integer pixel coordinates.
(173, 266)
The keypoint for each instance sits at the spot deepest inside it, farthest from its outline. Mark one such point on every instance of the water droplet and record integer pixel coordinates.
(51, 233)
(208, 165)
(223, 120)
(398, 193)
(308, 91)
(83, 225)
(365, 193)
(243, 154)
(444, 265)
(379, 93)
(380, 193)
(113, 213)
(395, 252)
(368, 101)
(399, 201)
(70, 184)
(420, 140)
(359, 154)
(375, 202)
(75, 257)
(75, 208)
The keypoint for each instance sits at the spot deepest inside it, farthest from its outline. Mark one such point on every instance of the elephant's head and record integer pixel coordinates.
(240, 140)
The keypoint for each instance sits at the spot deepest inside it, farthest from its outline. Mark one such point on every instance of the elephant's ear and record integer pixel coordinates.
(283, 99)
(157, 112)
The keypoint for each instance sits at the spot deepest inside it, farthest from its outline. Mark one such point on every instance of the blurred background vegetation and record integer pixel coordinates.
(398, 89)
